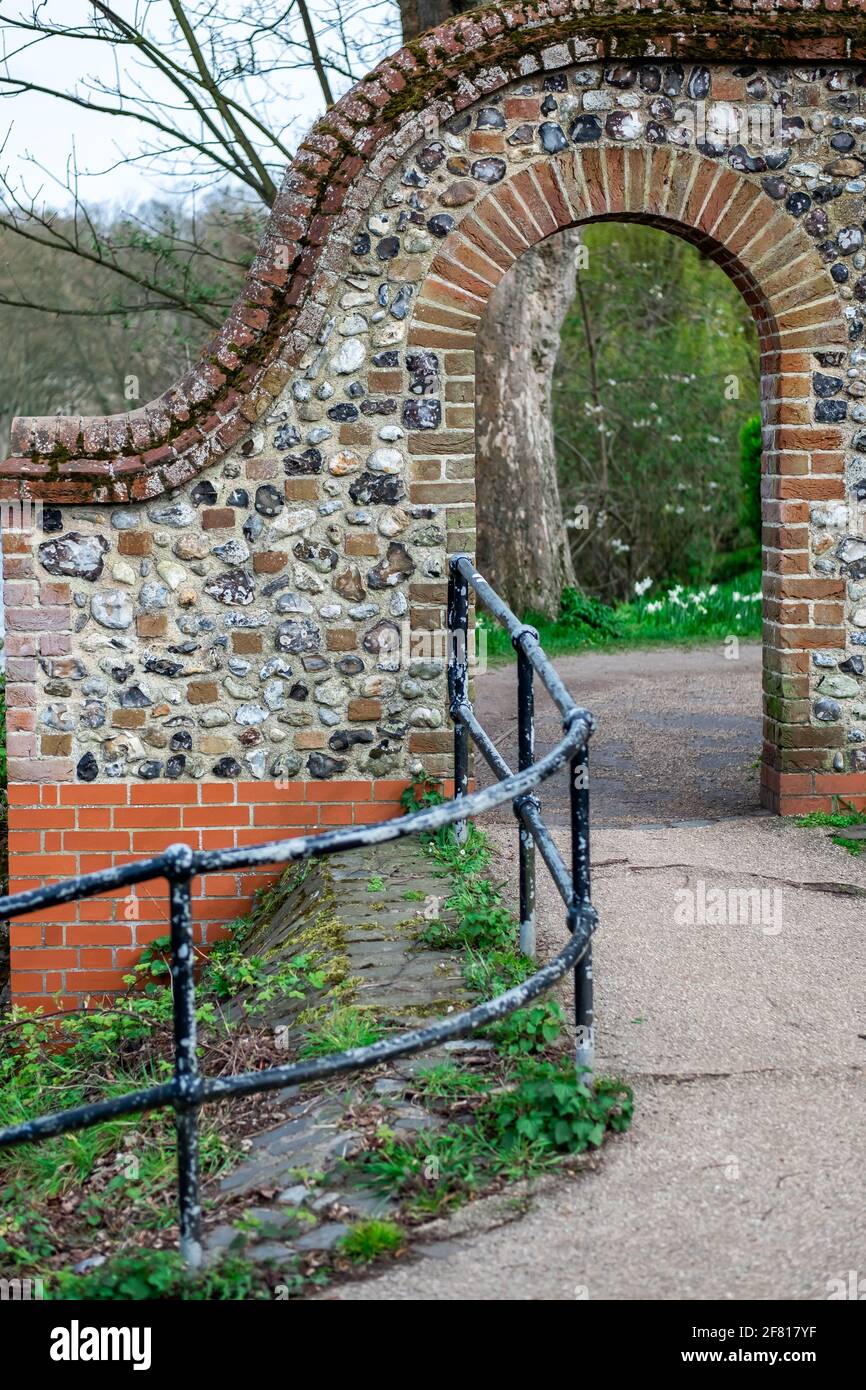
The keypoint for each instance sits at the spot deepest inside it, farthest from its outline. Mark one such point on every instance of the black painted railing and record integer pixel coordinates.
(178, 865)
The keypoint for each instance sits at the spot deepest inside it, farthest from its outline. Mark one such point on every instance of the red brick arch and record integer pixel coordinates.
(783, 279)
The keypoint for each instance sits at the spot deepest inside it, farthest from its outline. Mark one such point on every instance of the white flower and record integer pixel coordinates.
(641, 586)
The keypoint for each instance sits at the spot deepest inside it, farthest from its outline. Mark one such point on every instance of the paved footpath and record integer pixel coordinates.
(743, 1176)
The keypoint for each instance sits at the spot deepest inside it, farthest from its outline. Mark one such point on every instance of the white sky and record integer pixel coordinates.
(37, 127)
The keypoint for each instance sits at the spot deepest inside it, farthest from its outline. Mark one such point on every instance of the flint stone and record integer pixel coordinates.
(348, 357)
(233, 552)
(268, 500)
(298, 637)
(112, 609)
(393, 569)
(383, 640)
(74, 556)
(177, 514)
(370, 489)
(322, 767)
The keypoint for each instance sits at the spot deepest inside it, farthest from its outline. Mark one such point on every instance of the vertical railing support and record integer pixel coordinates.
(458, 679)
(185, 1059)
(525, 758)
(583, 1006)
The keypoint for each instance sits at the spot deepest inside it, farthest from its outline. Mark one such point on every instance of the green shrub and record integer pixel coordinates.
(367, 1240)
(158, 1274)
(552, 1107)
(582, 613)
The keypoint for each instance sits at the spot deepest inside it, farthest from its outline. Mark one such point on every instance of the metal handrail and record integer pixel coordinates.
(179, 864)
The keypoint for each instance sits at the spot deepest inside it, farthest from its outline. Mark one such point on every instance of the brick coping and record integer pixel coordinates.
(139, 455)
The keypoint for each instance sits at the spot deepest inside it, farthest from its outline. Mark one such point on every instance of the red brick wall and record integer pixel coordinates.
(57, 831)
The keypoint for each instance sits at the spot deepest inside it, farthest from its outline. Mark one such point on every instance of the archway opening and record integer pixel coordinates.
(656, 432)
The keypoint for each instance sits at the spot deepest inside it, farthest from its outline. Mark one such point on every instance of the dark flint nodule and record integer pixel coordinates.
(322, 767)
(343, 412)
(73, 556)
(490, 119)
(711, 148)
(286, 437)
(672, 79)
(432, 155)
(824, 386)
(745, 163)
(375, 489)
(699, 83)
(422, 413)
(441, 224)
(815, 222)
(798, 203)
(774, 188)
(361, 244)
(655, 133)
(299, 465)
(268, 500)
(488, 170)
(388, 248)
(344, 739)
(227, 767)
(203, 494)
(831, 412)
(552, 137)
(584, 129)
(650, 78)
(620, 75)
(52, 519)
(87, 769)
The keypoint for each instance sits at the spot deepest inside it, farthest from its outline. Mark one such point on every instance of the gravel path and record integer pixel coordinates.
(678, 736)
(743, 1175)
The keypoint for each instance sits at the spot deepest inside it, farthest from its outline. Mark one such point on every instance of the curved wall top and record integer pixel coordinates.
(140, 454)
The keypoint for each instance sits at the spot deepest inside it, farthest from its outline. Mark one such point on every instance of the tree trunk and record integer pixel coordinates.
(522, 542)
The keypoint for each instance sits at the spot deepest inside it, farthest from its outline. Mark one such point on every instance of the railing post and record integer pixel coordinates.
(458, 679)
(185, 1063)
(525, 758)
(583, 1008)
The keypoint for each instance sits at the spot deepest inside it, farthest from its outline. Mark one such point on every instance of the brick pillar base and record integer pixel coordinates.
(797, 793)
(82, 949)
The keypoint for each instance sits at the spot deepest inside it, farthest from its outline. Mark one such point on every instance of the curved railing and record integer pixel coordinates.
(179, 864)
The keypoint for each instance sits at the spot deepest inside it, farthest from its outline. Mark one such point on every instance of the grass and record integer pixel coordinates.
(345, 1026)
(658, 615)
(367, 1240)
(838, 820)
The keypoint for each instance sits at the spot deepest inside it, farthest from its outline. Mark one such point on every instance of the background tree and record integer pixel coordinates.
(522, 543)
(659, 369)
(198, 96)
